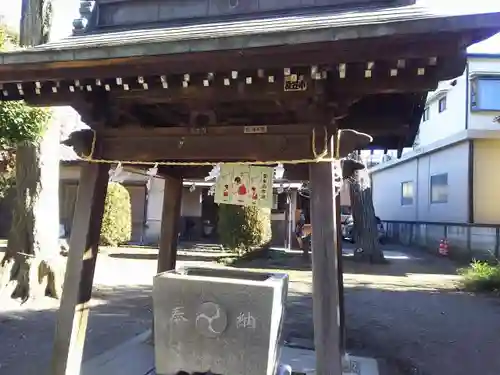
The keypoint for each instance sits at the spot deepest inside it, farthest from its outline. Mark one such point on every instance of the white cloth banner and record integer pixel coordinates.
(245, 185)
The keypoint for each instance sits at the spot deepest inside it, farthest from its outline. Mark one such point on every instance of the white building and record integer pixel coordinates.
(451, 175)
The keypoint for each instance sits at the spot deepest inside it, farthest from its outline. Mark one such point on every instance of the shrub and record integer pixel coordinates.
(481, 277)
(116, 221)
(242, 229)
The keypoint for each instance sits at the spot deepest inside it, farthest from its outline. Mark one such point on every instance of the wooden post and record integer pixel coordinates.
(83, 248)
(288, 221)
(325, 265)
(172, 196)
(293, 209)
(340, 278)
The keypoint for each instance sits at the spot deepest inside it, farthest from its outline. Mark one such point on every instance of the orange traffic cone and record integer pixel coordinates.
(443, 247)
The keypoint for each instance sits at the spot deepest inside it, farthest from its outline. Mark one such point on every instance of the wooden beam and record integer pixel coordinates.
(278, 142)
(237, 91)
(252, 148)
(260, 90)
(352, 83)
(295, 172)
(74, 309)
(258, 147)
(325, 265)
(172, 197)
(135, 132)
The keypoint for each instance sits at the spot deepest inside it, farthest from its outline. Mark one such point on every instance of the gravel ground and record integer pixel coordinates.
(120, 309)
(407, 314)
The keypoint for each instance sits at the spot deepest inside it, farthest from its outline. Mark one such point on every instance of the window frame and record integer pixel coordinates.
(426, 114)
(442, 104)
(475, 97)
(275, 202)
(432, 185)
(403, 199)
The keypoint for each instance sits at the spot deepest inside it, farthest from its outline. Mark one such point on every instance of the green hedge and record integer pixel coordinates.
(117, 219)
(481, 277)
(242, 229)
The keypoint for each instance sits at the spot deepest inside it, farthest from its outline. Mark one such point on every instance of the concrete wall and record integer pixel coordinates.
(386, 190)
(387, 187)
(190, 208)
(464, 242)
(154, 211)
(135, 184)
(191, 202)
(190, 205)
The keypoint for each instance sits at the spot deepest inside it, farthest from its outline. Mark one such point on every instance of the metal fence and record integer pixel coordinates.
(465, 241)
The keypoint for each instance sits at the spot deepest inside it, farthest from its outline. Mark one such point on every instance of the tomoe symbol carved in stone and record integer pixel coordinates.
(211, 319)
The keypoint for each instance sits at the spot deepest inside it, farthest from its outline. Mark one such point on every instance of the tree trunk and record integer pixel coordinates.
(365, 225)
(32, 264)
(36, 22)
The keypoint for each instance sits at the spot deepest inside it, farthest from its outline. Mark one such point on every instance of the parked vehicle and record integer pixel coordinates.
(348, 229)
(345, 212)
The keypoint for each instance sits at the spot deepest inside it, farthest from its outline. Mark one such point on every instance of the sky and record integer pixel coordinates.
(67, 10)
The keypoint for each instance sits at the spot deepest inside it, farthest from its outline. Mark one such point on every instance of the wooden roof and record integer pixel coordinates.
(234, 73)
(333, 26)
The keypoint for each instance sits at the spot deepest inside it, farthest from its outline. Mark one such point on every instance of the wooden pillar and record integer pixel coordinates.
(83, 248)
(340, 278)
(325, 265)
(172, 196)
(293, 209)
(288, 222)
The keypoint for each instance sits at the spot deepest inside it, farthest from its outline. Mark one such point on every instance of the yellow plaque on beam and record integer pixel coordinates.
(294, 83)
(255, 129)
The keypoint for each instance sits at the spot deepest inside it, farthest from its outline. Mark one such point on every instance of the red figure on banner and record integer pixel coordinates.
(242, 189)
(254, 193)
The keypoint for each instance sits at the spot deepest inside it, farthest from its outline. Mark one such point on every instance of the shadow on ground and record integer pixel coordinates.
(117, 314)
(411, 324)
(411, 332)
(154, 256)
(407, 313)
(274, 259)
(399, 263)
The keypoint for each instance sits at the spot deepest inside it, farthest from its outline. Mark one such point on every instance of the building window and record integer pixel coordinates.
(275, 201)
(439, 188)
(407, 193)
(279, 202)
(425, 117)
(442, 104)
(485, 94)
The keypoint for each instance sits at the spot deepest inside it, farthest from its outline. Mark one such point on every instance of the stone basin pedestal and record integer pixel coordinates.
(224, 321)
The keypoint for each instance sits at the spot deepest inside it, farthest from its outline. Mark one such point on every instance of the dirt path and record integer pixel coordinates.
(120, 309)
(412, 315)
(409, 314)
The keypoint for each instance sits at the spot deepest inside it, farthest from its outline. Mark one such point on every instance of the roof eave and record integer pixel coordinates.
(208, 39)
